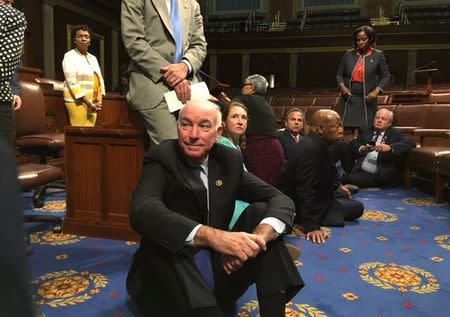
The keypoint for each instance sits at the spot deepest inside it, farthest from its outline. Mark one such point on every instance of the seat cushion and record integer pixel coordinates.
(32, 175)
(444, 164)
(51, 141)
(426, 157)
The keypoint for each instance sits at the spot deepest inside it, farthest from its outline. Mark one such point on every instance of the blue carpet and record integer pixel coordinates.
(393, 262)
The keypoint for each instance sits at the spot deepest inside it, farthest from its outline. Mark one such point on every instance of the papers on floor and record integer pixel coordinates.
(199, 91)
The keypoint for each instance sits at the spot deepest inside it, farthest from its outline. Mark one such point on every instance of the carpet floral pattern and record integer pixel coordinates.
(391, 262)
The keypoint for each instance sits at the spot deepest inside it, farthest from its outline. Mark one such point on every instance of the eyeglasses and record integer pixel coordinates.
(245, 84)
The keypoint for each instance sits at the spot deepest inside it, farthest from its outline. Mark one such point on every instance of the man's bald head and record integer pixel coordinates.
(327, 124)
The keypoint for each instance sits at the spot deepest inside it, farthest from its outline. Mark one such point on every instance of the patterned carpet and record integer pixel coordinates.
(392, 262)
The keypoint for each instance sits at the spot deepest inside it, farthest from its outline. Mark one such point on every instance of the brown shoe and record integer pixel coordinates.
(294, 252)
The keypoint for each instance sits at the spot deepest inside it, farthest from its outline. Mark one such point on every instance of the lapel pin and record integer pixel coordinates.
(219, 183)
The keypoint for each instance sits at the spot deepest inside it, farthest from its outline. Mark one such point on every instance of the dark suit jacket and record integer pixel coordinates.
(311, 181)
(288, 143)
(389, 164)
(170, 200)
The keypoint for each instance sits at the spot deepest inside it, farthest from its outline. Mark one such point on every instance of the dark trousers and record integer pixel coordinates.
(341, 210)
(6, 121)
(276, 277)
(363, 179)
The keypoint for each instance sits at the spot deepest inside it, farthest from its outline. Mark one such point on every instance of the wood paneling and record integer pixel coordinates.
(277, 64)
(62, 18)
(229, 69)
(318, 69)
(441, 57)
(398, 63)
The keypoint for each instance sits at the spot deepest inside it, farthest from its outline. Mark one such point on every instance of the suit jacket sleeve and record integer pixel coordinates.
(399, 143)
(341, 75)
(151, 218)
(196, 51)
(383, 72)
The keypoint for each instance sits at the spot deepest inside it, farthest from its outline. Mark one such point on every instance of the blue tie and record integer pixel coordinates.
(203, 263)
(202, 258)
(177, 30)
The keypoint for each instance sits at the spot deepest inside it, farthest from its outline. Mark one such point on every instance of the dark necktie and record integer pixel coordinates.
(375, 136)
(177, 30)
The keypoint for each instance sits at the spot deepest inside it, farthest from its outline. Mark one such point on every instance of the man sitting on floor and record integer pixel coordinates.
(311, 180)
(182, 207)
(294, 123)
(381, 151)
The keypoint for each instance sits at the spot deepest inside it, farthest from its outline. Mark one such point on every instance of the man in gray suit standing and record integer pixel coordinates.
(165, 41)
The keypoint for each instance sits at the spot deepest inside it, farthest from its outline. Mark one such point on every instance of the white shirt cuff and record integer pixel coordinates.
(277, 225)
(188, 65)
(190, 238)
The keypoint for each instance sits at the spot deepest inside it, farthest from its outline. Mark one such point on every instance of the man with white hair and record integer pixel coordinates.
(182, 207)
(381, 151)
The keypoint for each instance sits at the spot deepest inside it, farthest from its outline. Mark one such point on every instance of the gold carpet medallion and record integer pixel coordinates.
(50, 238)
(350, 297)
(424, 202)
(67, 288)
(292, 310)
(53, 206)
(443, 241)
(297, 231)
(403, 278)
(378, 216)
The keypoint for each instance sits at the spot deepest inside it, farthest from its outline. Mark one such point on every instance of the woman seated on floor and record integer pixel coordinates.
(234, 118)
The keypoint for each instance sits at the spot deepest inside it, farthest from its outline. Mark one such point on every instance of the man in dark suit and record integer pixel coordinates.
(312, 180)
(182, 206)
(293, 126)
(381, 150)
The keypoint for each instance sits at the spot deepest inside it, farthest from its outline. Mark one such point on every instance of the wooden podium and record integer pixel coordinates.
(103, 165)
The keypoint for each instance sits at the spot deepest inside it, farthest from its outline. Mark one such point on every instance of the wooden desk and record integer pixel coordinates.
(103, 166)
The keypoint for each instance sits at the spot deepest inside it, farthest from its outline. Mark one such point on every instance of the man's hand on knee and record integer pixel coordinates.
(241, 245)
